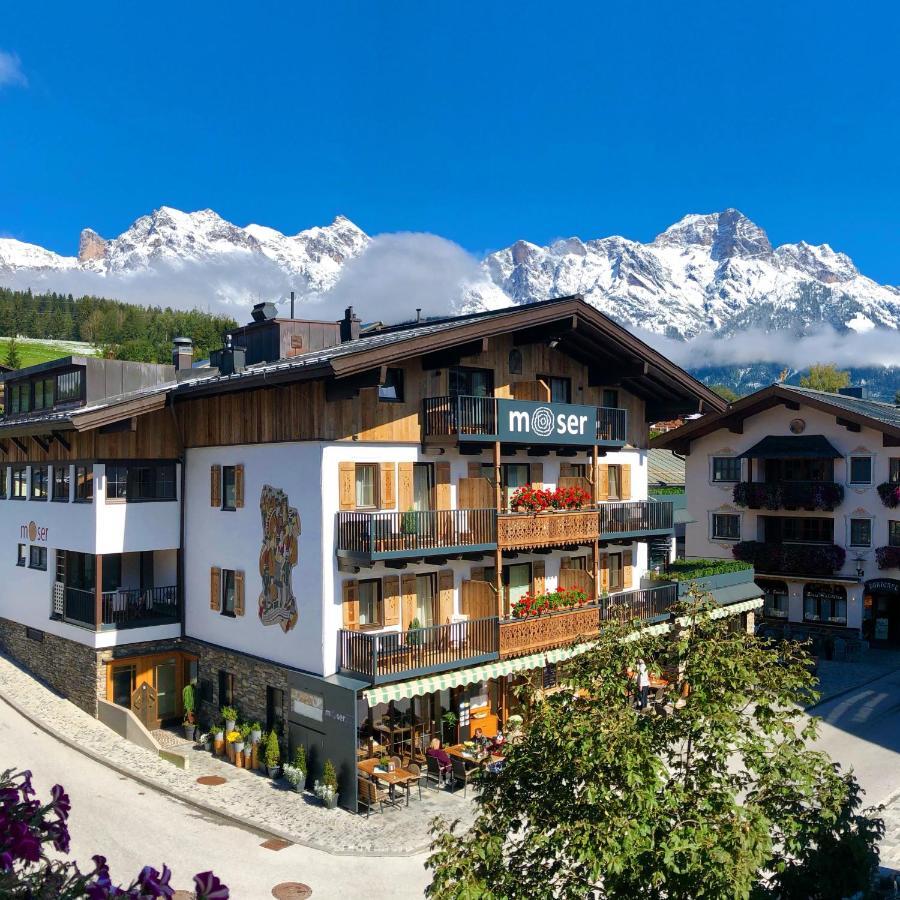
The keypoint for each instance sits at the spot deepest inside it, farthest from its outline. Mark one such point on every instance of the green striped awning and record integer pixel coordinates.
(731, 610)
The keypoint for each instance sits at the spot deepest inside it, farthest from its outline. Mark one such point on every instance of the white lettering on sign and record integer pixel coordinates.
(33, 532)
(543, 423)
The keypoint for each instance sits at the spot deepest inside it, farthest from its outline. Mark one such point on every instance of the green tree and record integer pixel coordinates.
(725, 392)
(897, 397)
(825, 377)
(718, 798)
(13, 360)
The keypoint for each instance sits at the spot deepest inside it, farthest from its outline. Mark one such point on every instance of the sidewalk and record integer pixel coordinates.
(837, 678)
(247, 798)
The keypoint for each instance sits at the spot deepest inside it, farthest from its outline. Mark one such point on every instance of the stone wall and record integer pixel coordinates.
(66, 666)
(251, 678)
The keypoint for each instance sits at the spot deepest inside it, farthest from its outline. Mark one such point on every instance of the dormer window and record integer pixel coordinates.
(43, 393)
(70, 386)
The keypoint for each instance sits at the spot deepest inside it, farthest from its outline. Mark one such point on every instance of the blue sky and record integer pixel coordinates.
(480, 122)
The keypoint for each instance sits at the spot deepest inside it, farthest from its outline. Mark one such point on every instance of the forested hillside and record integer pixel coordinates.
(121, 330)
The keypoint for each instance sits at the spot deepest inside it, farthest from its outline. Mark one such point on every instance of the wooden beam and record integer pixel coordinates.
(349, 388)
(44, 445)
(21, 446)
(545, 333)
(451, 356)
(850, 426)
(5, 447)
(61, 440)
(791, 404)
(613, 373)
(888, 440)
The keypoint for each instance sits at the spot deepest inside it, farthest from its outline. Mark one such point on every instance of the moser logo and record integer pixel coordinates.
(559, 423)
(33, 532)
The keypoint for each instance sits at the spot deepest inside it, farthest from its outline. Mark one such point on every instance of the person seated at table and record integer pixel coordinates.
(479, 738)
(443, 758)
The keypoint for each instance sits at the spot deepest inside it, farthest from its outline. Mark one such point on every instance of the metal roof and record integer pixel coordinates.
(873, 409)
(664, 467)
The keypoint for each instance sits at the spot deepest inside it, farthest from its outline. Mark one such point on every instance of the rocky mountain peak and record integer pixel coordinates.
(728, 233)
(91, 246)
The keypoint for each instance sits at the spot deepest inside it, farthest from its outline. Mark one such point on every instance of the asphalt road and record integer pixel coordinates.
(862, 730)
(133, 825)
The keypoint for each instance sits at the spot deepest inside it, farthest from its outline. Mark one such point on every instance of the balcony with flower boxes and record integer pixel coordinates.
(791, 559)
(790, 495)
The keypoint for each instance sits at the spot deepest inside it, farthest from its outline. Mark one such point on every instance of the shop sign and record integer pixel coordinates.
(33, 532)
(825, 592)
(881, 629)
(555, 423)
(306, 703)
(883, 586)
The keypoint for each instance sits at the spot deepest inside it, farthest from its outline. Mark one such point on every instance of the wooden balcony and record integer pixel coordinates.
(365, 537)
(556, 629)
(389, 655)
(643, 604)
(522, 531)
(807, 495)
(635, 519)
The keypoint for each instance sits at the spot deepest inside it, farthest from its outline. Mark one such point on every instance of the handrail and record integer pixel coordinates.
(623, 517)
(121, 608)
(642, 603)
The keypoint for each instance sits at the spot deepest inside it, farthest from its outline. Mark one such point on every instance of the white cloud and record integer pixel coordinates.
(11, 69)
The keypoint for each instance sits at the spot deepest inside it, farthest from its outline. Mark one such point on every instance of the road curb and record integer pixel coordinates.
(214, 811)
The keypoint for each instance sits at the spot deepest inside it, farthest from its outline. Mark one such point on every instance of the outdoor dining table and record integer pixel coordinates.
(472, 759)
(372, 768)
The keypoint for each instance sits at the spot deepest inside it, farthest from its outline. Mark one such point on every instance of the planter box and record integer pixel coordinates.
(545, 529)
(520, 636)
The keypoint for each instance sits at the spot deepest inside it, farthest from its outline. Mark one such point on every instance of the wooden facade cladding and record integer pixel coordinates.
(522, 531)
(520, 636)
(299, 411)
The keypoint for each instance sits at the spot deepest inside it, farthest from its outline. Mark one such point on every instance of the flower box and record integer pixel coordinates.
(888, 557)
(890, 494)
(791, 559)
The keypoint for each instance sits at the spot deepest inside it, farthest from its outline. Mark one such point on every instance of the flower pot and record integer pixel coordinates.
(189, 731)
(238, 748)
(272, 771)
(255, 736)
(332, 802)
(219, 744)
(248, 757)
(229, 751)
(229, 725)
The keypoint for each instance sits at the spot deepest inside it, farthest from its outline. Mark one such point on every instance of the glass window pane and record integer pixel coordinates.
(369, 597)
(615, 482)
(425, 600)
(365, 486)
(860, 470)
(228, 492)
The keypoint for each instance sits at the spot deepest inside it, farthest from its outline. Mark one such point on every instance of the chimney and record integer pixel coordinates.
(349, 326)
(264, 311)
(182, 353)
(231, 359)
(418, 314)
(857, 391)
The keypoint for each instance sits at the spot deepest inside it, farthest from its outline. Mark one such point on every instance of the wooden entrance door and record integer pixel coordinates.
(144, 705)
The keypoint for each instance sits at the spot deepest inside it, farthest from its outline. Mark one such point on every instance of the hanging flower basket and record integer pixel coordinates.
(535, 500)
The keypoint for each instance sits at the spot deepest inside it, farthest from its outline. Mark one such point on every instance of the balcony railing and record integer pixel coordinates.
(394, 535)
(385, 655)
(635, 518)
(791, 559)
(808, 495)
(527, 635)
(477, 419)
(122, 608)
(519, 531)
(643, 604)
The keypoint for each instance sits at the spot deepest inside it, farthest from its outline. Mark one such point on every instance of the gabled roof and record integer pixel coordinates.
(664, 467)
(850, 412)
(614, 354)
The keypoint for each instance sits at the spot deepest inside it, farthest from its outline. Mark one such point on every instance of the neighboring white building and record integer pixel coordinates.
(805, 485)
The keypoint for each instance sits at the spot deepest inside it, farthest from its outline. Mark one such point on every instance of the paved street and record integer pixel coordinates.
(133, 825)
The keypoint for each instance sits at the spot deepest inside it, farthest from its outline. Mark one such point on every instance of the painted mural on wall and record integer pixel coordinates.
(277, 557)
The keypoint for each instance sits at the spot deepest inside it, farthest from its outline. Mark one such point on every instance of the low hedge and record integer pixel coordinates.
(690, 569)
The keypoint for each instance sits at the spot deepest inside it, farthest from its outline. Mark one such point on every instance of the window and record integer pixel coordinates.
(123, 679)
(19, 397)
(726, 527)
(228, 489)
(366, 477)
(226, 688)
(726, 468)
(894, 534)
(610, 398)
(61, 483)
(515, 361)
(20, 560)
(84, 484)
(392, 389)
(468, 382)
(775, 603)
(68, 386)
(228, 592)
(425, 597)
(616, 573)
(43, 393)
(19, 482)
(860, 470)
(116, 482)
(370, 602)
(825, 603)
(807, 530)
(37, 558)
(860, 532)
(615, 482)
(39, 478)
(560, 388)
(274, 710)
(894, 471)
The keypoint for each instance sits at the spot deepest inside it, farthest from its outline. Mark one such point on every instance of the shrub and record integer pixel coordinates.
(229, 714)
(329, 776)
(189, 702)
(300, 757)
(689, 569)
(273, 751)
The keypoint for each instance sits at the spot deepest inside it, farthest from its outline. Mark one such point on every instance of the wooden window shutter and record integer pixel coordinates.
(238, 593)
(566, 579)
(347, 485)
(351, 604)
(626, 482)
(627, 570)
(537, 577)
(445, 591)
(474, 470)
(476, 573)
(408, 591)
(239, 487)
(536, 474)
(386, 495)
(215, 589)
(442, 485)
(602, 481)
(404, 486)
(604, 573)
(390, 592)
(215, 486)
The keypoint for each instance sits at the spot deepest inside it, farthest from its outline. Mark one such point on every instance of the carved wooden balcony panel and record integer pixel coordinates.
(520, 636)
(523, 530)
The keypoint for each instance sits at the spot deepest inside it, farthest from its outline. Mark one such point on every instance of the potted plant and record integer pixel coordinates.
(384, 762)
(327, 789)
(230, 715)
(218, 737)
(189, 701)
(300, 758)
(255, 733)
(231, 739)
(273, 754)
(413, 638)
(295, 777)
(448, 719)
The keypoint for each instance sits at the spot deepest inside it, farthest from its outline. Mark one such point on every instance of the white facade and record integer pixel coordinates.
(707, 498)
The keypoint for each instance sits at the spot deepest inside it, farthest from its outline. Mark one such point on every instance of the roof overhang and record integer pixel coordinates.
(793, 446)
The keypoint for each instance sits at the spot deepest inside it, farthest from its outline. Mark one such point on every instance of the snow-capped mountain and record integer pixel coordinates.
(715, 273)
(169, 236)
(707, 273)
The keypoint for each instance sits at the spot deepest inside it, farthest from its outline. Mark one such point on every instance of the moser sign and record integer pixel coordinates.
(546, 423)
(33, 532)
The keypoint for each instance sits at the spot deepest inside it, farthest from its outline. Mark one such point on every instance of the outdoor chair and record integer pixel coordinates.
(370, 794)
(433, 771)
(417, 781)
(395, 762)
(460, 773)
